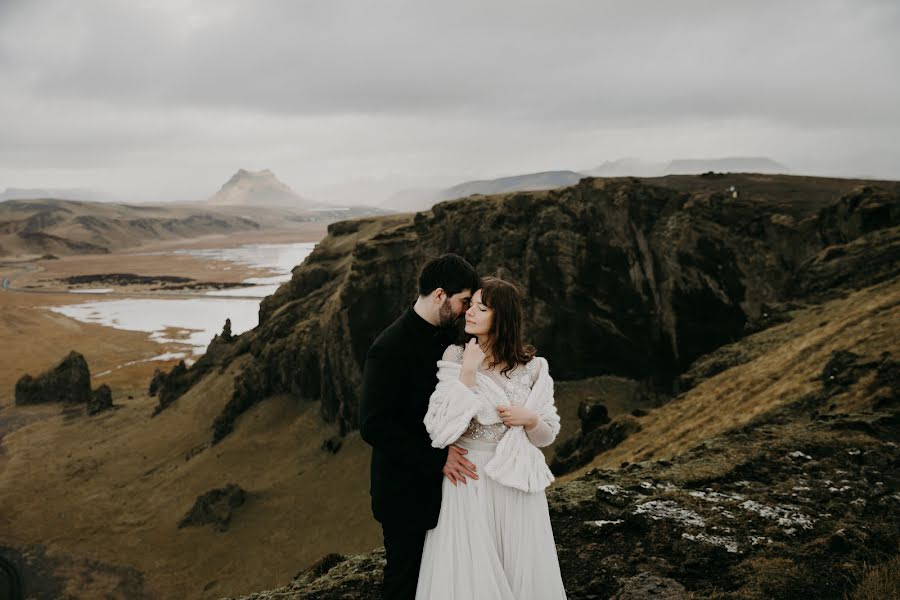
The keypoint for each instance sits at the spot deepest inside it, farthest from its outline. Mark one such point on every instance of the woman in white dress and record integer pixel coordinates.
(494, 398)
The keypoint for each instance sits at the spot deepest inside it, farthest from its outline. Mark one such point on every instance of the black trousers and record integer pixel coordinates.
(403, 550)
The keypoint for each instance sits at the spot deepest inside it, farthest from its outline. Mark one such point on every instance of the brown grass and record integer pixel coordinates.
(865, 322)
(879, 582)
(112, 488)
(103, 495)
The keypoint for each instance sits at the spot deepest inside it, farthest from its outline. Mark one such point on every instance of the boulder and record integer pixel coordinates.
(592, 415)
(101, 400)
(69, 381)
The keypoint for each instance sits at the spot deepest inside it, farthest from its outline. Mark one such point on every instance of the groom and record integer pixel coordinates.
(398, 378)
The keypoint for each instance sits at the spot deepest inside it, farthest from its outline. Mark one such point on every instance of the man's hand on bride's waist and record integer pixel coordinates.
(458, 468)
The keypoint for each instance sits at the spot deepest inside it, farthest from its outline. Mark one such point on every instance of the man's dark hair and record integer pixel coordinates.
(450, 272)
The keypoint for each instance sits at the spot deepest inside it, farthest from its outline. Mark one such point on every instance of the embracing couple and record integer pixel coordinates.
(455, 427)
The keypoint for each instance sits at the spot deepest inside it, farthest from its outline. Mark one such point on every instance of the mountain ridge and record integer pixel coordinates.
(424, 198)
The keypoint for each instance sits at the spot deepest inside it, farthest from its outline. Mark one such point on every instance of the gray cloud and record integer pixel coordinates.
(410, 87)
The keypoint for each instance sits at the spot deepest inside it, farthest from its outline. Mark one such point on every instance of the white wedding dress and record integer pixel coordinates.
(491, 542)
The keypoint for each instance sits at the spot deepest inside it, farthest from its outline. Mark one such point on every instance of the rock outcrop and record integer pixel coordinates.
(580, 450)
(221, 350)
(69, 381)
(215, 507)
(630, 277)
(169, 386)
(101, 399)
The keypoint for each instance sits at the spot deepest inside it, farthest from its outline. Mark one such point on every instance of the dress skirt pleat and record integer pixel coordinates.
(492, 542)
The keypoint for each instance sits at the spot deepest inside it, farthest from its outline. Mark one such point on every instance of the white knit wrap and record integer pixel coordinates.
(517, 462)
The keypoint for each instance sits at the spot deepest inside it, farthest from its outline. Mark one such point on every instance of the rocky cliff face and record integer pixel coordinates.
(630, 277)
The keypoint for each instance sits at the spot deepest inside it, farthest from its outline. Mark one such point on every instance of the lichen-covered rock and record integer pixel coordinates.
(69, 381)
(646, 586)
(354, 578)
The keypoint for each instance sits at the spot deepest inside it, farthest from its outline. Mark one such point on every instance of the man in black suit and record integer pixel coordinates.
(398, 378)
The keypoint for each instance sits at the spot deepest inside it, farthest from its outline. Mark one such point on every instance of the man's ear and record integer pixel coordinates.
(438, 295)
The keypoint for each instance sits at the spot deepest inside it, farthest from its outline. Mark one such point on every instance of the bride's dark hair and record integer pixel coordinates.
(504, 297)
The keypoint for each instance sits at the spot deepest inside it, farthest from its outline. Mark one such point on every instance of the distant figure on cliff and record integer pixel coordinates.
(494, 398)
(399, 376)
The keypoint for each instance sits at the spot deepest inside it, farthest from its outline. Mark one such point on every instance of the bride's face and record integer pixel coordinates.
(478, 317)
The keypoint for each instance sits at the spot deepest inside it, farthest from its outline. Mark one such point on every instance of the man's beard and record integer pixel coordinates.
(446, 318)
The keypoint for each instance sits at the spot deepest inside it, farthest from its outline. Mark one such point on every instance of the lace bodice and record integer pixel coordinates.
(517, 386)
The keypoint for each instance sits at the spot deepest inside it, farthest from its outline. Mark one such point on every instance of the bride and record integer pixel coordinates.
(494, 398)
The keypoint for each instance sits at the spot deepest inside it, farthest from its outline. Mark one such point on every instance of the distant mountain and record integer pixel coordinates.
(694, 166)
(546, 180)
(416, 199)
(627, 167)
(61, 193)
(65, 227)
(257, 188)
(424, 198)
(633, 167)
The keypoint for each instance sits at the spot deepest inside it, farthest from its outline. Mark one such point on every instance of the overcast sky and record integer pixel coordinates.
(165, 100)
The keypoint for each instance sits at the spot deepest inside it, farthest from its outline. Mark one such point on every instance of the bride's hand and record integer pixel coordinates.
(472, 357)
(518, 415)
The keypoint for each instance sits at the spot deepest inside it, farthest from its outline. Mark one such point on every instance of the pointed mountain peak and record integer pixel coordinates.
(257, 188)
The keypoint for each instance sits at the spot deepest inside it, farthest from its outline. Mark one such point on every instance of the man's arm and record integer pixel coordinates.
(379, 422)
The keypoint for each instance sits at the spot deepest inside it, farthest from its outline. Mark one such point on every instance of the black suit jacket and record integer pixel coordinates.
(398, 378)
